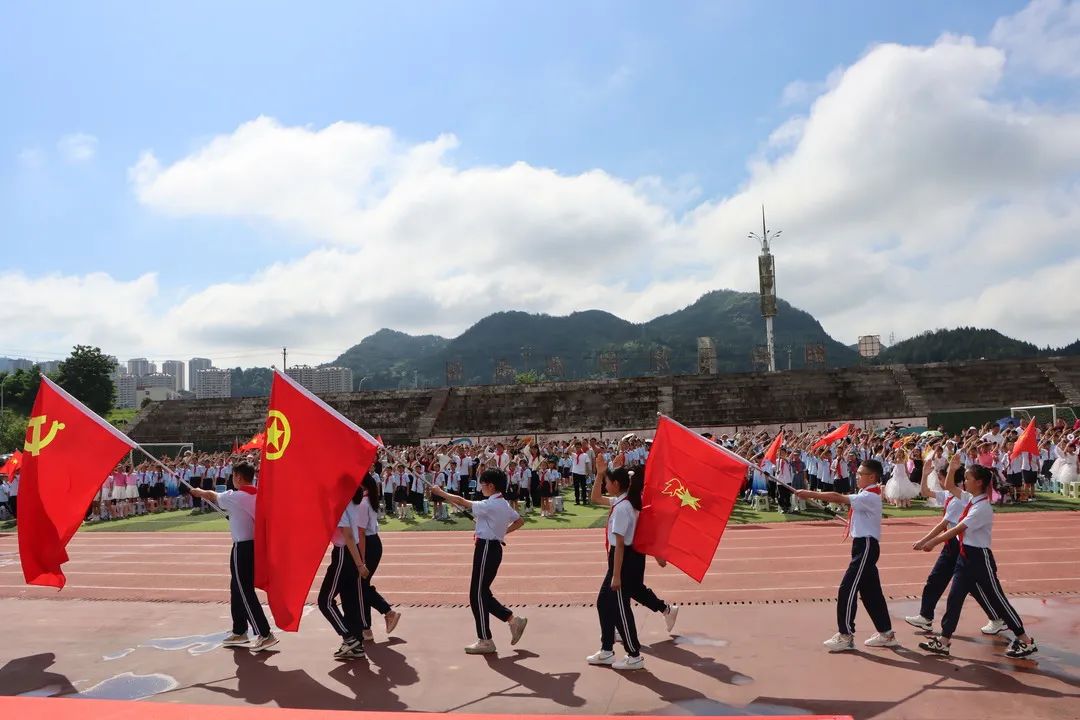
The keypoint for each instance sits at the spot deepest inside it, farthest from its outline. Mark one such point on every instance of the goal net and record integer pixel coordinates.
(1044, 414)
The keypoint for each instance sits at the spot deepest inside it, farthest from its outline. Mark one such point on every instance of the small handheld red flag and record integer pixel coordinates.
(1027, 442)
(257, 441)
(12, 465)
(770, 454)
(691, 486)
(313, 460)
(68, 453)
(829, 438)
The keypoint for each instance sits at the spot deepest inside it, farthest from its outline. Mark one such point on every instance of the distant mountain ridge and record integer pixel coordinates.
(589, 344)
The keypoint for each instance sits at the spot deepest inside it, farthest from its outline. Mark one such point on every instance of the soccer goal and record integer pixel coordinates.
(1044, 414)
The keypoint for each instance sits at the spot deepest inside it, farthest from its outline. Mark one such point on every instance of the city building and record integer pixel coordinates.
(49, 366)
(193, 368)
(322, 380)
(333, 380)
(213, 383)
(152, 368)
(155, 394)
(156, 380)
(303, 374)
(138, 367)
(126, 389)
(176, 369)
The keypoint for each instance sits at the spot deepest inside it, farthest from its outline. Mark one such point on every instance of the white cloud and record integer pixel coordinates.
(1045, 35)
(799, 92)
(59, 311)
(911, 197)
(77, 147)
(31, 158)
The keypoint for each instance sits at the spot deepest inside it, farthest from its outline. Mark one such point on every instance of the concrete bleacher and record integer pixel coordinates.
(548, 408)
(761, 398)
(987, 384)
(738, 399)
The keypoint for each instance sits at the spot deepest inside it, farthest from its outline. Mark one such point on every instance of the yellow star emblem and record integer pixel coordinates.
(278, 434)
(677, 489)
(687, 499)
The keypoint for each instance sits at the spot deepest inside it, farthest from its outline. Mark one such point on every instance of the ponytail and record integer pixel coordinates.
(629, 482)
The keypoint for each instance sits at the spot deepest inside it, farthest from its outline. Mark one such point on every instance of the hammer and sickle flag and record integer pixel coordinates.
(313, 460)
(68, 453)
(691, 485)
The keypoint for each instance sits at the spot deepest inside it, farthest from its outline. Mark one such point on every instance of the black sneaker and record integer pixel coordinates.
(1021, 650)
(935, 646)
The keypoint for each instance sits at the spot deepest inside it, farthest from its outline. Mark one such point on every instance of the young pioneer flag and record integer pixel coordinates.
(828, 439)
(68, 453)
(770, 454)
(1027, 442)
(312, 462)
(691, 485)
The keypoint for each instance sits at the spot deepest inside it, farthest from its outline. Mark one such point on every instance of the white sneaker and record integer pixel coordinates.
(882, 640)
(481, 647)
(630, 663)
(601, 657)
(392, 619)
(517, 627)
(993, 627)
(670, 616)
(264, 643)
(840, 643)
(920, 622)
(233, 640)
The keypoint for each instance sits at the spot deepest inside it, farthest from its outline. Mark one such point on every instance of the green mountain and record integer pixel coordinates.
(966, 343)
(590, 344)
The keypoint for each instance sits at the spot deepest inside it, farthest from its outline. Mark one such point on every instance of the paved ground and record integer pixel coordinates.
(1038, 552)
(748, 642)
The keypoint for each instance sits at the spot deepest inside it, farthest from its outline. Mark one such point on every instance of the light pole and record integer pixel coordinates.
(361, 383)
(767, 279)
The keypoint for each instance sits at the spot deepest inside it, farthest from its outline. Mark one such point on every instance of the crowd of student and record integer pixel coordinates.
(903, 456)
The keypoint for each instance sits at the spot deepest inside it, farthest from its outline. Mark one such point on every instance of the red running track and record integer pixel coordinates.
(1037, 553)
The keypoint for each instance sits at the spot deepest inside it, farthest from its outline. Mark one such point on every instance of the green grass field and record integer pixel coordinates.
(574, 517)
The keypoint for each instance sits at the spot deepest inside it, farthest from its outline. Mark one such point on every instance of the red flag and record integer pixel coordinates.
(691, 485)
(1027, 442)
(312, 462)
(68, 453)
(12, 465)
(770, 454)
(257, 442)
(837, 434)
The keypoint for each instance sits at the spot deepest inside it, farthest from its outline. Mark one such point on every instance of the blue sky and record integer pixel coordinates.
(687, 94)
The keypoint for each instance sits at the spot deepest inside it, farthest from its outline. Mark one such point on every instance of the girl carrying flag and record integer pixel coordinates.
(626, 566)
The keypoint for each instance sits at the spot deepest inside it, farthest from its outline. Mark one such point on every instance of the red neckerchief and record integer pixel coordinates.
(249, 489)
(607, 525)
(967, 508)
(876, 489)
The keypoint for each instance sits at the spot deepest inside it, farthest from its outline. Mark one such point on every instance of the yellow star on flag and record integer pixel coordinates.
(687, 499)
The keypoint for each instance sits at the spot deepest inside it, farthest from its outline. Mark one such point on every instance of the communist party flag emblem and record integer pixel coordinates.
(67, 454)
